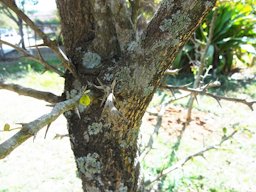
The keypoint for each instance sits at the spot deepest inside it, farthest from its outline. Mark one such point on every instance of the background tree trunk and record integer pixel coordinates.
(21, 32)
(122, 73)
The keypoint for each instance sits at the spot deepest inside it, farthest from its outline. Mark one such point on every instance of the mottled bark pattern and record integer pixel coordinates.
(122, 74)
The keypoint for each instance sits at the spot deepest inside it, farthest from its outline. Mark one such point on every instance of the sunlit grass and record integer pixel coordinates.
(47, 81)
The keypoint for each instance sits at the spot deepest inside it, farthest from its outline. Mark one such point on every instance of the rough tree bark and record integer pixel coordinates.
(122, 73)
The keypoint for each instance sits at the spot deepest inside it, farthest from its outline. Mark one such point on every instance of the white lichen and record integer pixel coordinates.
(208, 4)
(167, 4)
(77, 84)
(178, 22)
(78, 48)
(68, 113)
(86, 137)
(148, 90)
(72, 93)
(108, 77)
(122, 188)
(133, 46)
(81, 108)
(91, 60)
(166, 24)
(95, 128)
(89, 165)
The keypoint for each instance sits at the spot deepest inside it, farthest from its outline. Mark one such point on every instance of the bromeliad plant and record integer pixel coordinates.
(234, 37)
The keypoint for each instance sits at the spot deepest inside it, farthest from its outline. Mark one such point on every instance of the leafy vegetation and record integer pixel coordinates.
(233, 41)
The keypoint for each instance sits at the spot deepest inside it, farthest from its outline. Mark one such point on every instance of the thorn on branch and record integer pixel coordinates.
(30, 129)
(216, 97)
(181, 163)
(47, 129)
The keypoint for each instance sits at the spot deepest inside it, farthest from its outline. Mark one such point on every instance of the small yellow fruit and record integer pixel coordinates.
(7, 127)
(85, 100)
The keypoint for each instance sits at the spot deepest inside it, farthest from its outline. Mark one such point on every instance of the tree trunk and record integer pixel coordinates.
(122, 73)
(21, 32)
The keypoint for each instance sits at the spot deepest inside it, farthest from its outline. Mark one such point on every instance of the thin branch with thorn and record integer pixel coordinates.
(216, 97)
(188, 158)
(30, 129)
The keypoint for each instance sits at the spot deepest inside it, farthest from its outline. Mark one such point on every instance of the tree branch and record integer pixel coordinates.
(51, 44)
(32, 57)
(216, 97)
(105, 41)
(30, 129)
(9, 13)
(41, 95)
(135, 5)
(199, 78)
(173, 24)
(188, 158)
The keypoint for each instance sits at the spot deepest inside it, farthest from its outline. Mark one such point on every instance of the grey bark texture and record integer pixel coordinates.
(122, 72)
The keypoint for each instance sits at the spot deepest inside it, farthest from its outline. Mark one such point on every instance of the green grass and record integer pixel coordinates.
(47, 81)
(19, 68)
(32, 74)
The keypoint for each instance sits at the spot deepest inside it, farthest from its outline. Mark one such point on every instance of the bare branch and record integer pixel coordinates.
(41, 95)
(199, 78)
(32, 57)
(30, 129)
(216, 97)
(188, 158)
(9, 13)
(47, 42)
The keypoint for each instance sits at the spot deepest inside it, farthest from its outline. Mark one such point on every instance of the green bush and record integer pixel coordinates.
(234, 37)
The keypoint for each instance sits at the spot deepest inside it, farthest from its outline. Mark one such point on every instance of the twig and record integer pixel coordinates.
(186, 159)
(30, 129)
(216, 97)
(41, 95)
(47, 42)
(32, 57)
(203, 55)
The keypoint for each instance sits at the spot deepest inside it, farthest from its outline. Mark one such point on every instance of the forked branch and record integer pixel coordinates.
(30, 129)
(41, 95)
(189, 157)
